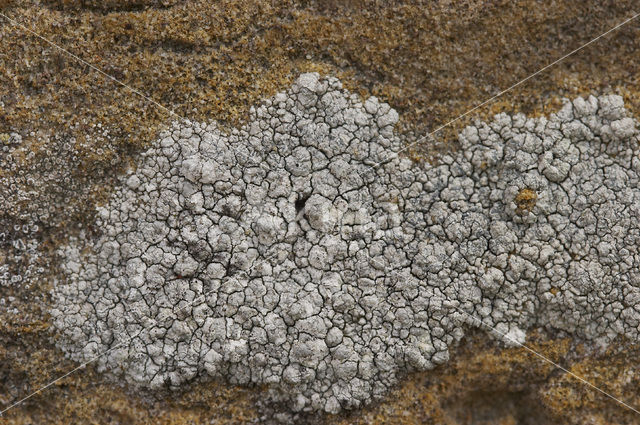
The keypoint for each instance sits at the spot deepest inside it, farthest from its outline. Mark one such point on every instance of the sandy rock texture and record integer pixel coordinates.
(216, 60)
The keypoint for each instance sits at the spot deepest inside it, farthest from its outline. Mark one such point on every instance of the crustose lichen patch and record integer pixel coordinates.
(276, 254)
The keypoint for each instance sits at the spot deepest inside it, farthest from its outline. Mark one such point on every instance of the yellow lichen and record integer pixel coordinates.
(525, 200)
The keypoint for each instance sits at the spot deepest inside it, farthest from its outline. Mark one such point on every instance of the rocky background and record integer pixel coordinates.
(66, 132)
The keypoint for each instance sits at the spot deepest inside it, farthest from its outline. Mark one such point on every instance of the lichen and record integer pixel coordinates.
(301, 251)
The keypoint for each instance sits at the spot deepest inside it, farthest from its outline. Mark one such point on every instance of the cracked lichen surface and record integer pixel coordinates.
(301, 251)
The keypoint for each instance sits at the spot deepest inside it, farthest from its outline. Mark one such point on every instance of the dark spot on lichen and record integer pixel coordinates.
(301, 202)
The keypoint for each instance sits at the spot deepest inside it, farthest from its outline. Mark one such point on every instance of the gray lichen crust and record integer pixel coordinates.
(278, 255)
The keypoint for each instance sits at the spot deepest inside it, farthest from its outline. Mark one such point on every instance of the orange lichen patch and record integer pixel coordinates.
(525, 200)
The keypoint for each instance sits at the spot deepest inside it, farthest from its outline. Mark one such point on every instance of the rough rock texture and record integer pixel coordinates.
(215, 59)
(302, 252)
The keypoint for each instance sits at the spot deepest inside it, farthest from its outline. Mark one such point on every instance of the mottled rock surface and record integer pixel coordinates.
(214, 60)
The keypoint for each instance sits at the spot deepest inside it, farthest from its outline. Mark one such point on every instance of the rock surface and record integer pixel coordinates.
(215, 59)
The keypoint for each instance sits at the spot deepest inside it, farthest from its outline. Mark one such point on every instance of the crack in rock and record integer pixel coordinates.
(275, 254)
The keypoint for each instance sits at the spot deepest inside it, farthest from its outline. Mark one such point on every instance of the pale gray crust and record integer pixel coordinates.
(327, 278)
